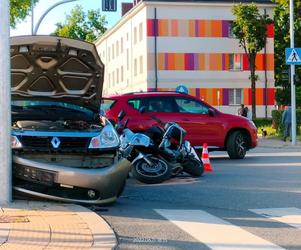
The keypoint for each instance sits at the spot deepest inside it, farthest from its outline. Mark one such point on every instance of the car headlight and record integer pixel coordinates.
(107, 138)
(15, 143)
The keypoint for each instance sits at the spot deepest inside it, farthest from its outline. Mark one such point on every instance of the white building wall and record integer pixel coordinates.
(123, 49)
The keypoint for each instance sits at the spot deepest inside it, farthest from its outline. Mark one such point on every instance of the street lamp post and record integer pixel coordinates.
(35, 30)
(293, 87)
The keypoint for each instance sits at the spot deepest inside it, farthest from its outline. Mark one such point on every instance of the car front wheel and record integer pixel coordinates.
(236, 145)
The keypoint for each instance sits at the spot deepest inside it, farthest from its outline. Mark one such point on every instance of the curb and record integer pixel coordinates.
(103, 235)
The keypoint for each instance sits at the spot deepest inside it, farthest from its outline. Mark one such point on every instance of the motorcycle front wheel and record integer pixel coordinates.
(193, 167)
(157, 172)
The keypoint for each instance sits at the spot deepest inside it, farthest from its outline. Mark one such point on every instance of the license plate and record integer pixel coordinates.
(34, 175)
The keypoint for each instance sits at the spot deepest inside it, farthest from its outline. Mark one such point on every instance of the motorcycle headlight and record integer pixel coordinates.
(107, 138)
(15, 143)
(140, 140)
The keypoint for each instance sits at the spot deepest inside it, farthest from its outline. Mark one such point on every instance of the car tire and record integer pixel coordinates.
(143, 172)
(236, 145)
(193, 167)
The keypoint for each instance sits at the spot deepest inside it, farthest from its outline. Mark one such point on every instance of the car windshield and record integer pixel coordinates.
(46, 104)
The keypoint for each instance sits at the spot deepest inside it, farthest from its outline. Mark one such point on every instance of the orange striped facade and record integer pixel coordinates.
(193, 28)
(207, 62)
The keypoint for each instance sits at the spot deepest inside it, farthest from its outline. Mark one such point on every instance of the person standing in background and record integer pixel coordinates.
(242, 110)
(287, 122)
(248, 113)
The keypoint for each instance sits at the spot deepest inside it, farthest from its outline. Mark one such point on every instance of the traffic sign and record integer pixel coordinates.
(109, 5)
(293, 56)
(182, 89)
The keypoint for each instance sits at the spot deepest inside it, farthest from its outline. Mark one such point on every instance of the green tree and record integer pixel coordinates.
(249, 27)
(19, 9)
(282, 41)
(80, 25)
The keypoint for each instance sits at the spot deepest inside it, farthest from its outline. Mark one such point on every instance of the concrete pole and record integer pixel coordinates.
(5, 107)
(293, 87)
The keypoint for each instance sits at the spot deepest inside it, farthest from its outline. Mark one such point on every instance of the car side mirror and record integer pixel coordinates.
(142, 110)
(121, 115)
(211, 112)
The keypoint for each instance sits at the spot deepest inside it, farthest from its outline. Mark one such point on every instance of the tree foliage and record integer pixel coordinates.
(282, 41)
(249, 27)
(80, 25)
(19, 9)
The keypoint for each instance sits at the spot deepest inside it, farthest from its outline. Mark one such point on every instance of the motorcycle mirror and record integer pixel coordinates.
(101, 112)
(142, 109)
(211, 112)
(121, 115)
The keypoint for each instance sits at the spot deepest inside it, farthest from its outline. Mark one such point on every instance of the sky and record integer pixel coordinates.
(58, 15)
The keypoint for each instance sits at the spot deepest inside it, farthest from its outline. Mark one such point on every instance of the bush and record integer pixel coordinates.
(262, 122)
(277, 115)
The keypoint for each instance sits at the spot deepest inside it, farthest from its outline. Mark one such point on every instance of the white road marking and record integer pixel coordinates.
(289, 215)
(214, 232)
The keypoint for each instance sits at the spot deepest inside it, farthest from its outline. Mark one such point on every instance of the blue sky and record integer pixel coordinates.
(58, 15)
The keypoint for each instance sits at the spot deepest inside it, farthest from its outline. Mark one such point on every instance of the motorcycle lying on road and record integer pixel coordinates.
(138, 148)
(171, 145)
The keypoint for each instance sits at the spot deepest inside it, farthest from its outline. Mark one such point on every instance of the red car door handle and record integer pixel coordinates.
(186, 120)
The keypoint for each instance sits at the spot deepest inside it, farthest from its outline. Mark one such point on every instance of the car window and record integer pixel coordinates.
(160, 104)
(187, 105)
(135, 103)
(107, 104)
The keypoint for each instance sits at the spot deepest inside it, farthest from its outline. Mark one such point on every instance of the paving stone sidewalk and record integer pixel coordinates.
(28, 225)
(277, 143)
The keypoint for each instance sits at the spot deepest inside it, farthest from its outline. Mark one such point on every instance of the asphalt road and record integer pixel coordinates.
(220, 210)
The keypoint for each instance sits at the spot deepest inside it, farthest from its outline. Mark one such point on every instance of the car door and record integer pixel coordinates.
(201, 124)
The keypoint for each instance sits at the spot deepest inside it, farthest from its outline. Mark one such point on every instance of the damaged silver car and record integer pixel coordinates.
(63, 149)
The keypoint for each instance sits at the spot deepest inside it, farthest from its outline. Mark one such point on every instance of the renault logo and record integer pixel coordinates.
(55, 142)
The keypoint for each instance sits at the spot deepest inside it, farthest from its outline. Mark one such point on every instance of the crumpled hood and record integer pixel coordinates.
(50, 68)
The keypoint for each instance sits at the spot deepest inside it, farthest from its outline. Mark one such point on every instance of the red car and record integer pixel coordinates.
(203, 123)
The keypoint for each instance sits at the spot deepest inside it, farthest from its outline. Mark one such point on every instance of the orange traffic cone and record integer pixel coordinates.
(205, 158)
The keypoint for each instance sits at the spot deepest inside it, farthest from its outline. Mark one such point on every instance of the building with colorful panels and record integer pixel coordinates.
(164, 45)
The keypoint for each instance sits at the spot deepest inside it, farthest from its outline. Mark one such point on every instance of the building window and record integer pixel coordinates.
(127, 59)
(113, 51)
(230, 30)
(140, 32)
(235, 96)
(117, 48)
(141, 64)
(113, 78)
(127, 36)
(109, 79)
(121, 73)
(135, 35)
(235, 62)
(135, 67)
(109, 54)
(121, 45)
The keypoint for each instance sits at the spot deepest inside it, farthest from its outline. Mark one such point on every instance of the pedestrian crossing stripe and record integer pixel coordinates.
(215, 233)
(290, 215)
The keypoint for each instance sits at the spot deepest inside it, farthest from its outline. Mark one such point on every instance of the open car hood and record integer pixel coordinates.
(50, 68)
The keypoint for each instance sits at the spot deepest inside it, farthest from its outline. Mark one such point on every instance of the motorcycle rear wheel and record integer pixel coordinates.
(160, 171)
(193, 167)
